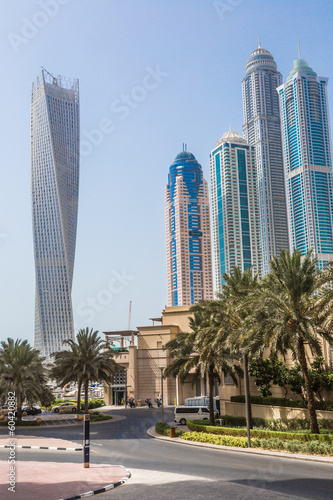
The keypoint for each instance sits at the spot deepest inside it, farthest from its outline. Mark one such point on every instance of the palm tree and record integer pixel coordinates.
(87, 360)
(324, 298)
(195, 351)
(237, 286)
(68, 368)
(285, 317)
(22, 372)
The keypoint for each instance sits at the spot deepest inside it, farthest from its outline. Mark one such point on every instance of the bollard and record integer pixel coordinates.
(86, 448)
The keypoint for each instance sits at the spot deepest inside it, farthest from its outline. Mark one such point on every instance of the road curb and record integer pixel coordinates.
(43, 447)
(310, 458)
(100, 490)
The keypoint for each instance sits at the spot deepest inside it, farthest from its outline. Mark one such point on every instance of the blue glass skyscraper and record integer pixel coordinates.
(307, 161)
(55, 159)
(235, 207)
(188, 242)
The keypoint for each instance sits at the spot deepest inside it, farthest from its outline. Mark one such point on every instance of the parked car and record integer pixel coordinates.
(64, 406)
(183, 413)
(30, 410)
(33, 410)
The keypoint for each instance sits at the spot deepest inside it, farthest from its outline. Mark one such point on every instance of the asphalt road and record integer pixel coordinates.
(168, 469)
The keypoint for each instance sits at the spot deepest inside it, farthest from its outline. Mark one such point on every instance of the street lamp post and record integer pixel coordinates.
(162, 405)
(247, 399)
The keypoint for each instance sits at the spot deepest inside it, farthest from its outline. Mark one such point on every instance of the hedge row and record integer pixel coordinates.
(295, 446)
(278, 424)
(96, 418)
(258, 433)
(289, 403)
(312, 447)
(92, 403)
(201, 437)
(25, 423)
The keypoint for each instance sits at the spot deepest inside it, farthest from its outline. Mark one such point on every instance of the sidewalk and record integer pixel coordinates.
(49, 480)
(254, 451)
(58, 481)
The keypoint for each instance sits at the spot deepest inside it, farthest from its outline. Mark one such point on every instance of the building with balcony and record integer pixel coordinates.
(141, 354)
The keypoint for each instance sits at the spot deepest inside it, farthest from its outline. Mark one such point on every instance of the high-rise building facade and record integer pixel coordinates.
(235, 207)
(307, 161)
(262, 130)
(188, 241)
(55, 159)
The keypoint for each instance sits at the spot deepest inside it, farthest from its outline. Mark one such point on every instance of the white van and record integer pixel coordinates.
(183, 413)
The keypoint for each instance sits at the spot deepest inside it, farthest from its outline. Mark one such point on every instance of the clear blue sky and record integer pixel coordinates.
(113, 46)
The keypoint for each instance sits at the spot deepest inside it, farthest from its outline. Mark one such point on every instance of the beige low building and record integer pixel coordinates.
(141, 353)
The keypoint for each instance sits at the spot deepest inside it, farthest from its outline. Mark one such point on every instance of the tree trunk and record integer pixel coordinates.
(247, 388)
(19, 403)
(86, 386)
(211, 383)
(308, 389)
(78, 400)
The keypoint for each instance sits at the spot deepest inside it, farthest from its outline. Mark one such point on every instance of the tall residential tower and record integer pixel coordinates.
(235, 207)
(55, 140)
(307, 161)
(262, 130)
(188, 242)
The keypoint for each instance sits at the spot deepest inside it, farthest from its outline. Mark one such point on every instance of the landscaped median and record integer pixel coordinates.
(296, 442)
(95, 416)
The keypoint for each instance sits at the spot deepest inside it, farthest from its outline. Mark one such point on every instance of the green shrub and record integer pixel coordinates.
(95, 403)
(96, 418)
(162, 428)
(202, 437)
(290, 403)
(259, 433)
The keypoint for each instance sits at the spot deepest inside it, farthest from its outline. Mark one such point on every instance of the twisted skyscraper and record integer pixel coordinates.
(55, 159)
(188, 243)
(262, 130)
